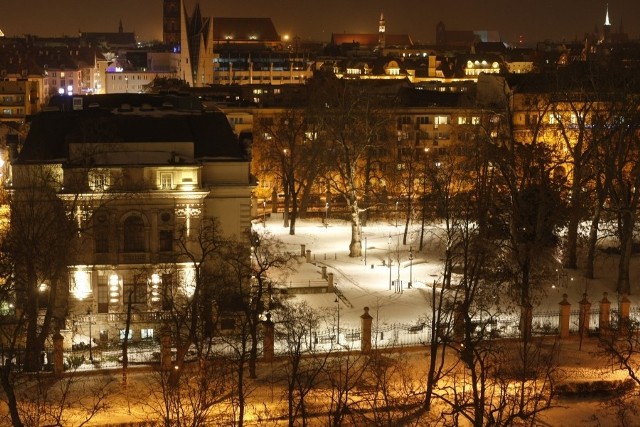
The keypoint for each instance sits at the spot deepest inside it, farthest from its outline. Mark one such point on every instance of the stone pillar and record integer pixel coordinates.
(565, 314)
(303, 251)
(268, 339)
(365, 325)
(625, 306)
(166, 364)
(605, 314)
(58, 354)
(329, 282)
(308, 255)
(324, 272)
(585, 316)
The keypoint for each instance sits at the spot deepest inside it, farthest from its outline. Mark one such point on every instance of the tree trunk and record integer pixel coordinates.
(626, 245)
(355, 247)
(32, 361)
(589, 272)
(7, 387)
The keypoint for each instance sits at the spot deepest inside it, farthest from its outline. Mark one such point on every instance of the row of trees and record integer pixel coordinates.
(569, 141)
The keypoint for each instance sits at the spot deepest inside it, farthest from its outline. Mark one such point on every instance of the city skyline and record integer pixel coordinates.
(559, 21)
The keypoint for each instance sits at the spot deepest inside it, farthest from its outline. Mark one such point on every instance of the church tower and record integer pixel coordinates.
(607, 27)
(381, 32)
(171, 22)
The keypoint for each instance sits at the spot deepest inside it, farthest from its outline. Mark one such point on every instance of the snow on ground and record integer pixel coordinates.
(368, 283)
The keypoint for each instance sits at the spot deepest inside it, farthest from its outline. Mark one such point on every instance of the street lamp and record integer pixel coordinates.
(264, 213)
(396, 214)
(337, 301)
(389, 261)
(90, 336)
(326, 215)
(410, 267)
(365, 250)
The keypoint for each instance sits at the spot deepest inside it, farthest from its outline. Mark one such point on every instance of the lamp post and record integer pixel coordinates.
(90, 336)
(326, 214)
(396, 214)
(264, 213)
(337, 301)
(389, 243)
(365, 250)
(410, 267)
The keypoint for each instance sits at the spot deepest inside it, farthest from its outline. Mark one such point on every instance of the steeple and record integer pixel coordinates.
(607, 27)
(381, 31)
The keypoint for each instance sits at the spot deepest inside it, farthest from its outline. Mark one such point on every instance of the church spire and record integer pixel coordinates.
(381, 31)
(607, 23)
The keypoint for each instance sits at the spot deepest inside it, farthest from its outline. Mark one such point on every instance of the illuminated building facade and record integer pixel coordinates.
(154, 167)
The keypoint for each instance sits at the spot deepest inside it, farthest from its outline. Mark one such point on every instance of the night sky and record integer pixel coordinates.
(317, 19)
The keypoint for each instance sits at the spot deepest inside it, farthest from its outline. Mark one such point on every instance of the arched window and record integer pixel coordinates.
(133, 229)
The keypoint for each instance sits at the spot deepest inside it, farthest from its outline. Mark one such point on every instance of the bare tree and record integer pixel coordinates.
(296, 325)
(290, 144)
(353, 123)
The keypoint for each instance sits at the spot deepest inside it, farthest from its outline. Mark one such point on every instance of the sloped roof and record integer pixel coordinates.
(371, 40)
(244, 29)
(51, 132)
(113, 39)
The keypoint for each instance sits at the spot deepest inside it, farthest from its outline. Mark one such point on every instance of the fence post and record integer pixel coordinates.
(165, 349)
(365, 337)
(58, 354)
(324, 271)
(330, 282)
(565, 313)
(303, 250)
(605, 316)
(625, 306)
(585, 315)
(268, 339)
(308, 255)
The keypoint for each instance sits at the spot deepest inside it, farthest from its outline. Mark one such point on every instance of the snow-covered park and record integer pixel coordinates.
(368, 281)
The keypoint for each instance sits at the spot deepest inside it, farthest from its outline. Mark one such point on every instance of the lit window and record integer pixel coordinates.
(166, 181)
(98, 181)
(146, 334)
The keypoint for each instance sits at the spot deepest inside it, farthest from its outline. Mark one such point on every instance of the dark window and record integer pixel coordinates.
(134, 235)
(227, 323)
(166, 240)
(101, 233)
(136, 289)
(103, 298)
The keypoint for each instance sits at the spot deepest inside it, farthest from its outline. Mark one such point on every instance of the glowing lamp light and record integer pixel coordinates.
(155, 287)
(114, 289)
(189, 281)
(81, 283)
(61, 91)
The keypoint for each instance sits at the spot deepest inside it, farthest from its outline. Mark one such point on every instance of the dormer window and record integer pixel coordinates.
(98, 181)
(166, 181)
